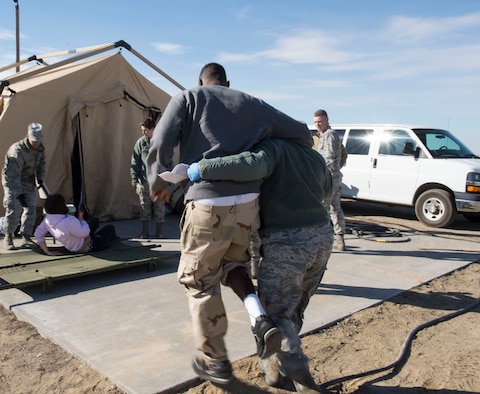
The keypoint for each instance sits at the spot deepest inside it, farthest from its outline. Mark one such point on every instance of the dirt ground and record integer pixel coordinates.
(442, 358)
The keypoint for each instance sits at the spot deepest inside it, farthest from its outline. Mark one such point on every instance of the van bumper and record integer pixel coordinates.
(466, 202)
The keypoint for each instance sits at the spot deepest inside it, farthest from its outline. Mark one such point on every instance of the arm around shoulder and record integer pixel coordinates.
(243, 167)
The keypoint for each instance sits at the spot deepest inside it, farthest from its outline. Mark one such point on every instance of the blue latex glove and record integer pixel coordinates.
(193, 172)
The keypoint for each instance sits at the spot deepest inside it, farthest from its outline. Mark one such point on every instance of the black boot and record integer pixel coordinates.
(144, 234)
(158, 231)
(27, 241)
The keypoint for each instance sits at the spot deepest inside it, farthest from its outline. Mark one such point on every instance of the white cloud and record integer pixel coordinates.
(309, 46)
(7, 34)
(384, 53)
(299, 47)
(271, 96)
(243, 12)
(415, 29)
(227, 57)
(169, 48)
(328, 83)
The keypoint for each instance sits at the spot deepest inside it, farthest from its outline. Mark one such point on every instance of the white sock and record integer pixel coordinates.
(254, 307)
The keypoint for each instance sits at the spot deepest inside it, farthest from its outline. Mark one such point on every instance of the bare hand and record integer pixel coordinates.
(162, 195)
(53, 253)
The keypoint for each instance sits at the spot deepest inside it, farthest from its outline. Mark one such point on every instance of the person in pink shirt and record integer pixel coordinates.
(76, 235)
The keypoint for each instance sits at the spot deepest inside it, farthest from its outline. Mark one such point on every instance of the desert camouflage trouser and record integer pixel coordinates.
(15, 214)
(333, 205)
(214, 240)
(292, 267)
(146, 204)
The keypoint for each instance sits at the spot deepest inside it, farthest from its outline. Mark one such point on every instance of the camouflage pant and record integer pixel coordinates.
(334, 207)
(15, 214)
(146, 204)
(292, 267)
(255, 256)
(213, 240)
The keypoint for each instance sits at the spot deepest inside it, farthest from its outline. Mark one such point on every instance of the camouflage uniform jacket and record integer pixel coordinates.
(138, 169)
(22, 165)
(296, 182)
(329, 146)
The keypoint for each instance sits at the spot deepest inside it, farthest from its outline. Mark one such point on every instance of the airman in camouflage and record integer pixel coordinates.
(330, 147)
(24, 168)
(138, 173)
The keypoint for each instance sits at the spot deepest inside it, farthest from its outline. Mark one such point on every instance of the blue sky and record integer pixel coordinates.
(364, 61)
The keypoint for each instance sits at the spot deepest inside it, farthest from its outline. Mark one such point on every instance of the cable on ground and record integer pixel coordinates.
(400, 361)
(377, 233)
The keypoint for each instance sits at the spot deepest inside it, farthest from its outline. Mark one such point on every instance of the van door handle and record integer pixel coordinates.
(374, 162)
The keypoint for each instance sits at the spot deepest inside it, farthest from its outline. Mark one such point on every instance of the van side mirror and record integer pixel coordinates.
(408, 148)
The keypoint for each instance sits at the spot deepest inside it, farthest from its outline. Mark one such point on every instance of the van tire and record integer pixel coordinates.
(435, 208)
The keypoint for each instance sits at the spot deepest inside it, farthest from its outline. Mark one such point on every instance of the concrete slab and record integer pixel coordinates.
(134, 326)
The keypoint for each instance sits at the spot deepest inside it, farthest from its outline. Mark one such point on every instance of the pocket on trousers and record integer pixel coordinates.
(205, 225)
(202, 232)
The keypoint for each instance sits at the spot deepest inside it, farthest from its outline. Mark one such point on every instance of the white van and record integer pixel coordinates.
(426, 168)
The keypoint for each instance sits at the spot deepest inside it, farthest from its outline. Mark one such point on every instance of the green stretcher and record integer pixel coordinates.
(28, 268)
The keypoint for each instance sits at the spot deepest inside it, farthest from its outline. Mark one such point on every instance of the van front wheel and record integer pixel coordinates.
(435, 208)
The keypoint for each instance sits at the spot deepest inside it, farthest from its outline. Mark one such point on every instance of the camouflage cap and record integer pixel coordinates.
(35, 132)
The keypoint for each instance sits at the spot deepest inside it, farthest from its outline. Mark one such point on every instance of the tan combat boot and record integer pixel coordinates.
(339, 242)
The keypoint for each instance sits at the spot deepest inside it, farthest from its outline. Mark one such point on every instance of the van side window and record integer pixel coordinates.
(393, 141)
(359, 141)
(340, 133)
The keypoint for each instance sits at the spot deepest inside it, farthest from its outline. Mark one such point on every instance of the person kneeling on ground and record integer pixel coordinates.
(76, 235)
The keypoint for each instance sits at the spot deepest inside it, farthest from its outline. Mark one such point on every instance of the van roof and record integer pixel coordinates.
(350, 125)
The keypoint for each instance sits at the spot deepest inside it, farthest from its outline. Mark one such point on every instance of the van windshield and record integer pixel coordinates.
(442, 144)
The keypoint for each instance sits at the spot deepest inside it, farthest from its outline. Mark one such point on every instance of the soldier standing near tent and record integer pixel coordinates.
(139, 182)
(24, 164)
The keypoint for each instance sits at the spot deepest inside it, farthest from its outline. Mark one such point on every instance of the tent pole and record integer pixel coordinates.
(17, 32)
(157, 69)
(53, 54)
(91, 51)
(59, 64)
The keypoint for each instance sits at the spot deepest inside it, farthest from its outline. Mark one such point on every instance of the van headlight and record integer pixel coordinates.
(473, 182)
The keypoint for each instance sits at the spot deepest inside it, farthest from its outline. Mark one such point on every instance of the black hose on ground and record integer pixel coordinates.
(400, 361)
(377, 233)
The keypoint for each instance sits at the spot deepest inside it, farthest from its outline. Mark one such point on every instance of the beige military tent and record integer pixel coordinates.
(90, 112)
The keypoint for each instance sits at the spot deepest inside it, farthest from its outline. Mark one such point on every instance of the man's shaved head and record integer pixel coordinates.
(213, 74)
